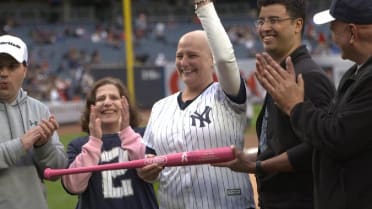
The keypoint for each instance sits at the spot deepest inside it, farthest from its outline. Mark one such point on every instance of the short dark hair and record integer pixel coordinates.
(91, 100)
(9, 58)
(295, 8)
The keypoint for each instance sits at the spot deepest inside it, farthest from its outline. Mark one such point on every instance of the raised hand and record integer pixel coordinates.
(199, 3)
(95, 128)
(124, 111)
(280, 83)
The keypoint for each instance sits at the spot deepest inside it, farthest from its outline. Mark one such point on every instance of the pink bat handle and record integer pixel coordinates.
(207, 156)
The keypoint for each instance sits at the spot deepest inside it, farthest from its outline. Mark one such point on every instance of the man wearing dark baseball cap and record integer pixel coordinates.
(340, 134)
(349, 11)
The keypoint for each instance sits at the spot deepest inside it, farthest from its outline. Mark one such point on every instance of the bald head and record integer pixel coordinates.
(194, 61)
(198, 39)
(197, 34)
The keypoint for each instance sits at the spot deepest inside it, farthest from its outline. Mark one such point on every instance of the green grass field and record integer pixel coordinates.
(57, 197)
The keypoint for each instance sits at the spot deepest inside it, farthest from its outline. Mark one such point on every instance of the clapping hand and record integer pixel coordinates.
(47, 129)
(40, 134)
(280, 83)
(95, 128)
(124, 111)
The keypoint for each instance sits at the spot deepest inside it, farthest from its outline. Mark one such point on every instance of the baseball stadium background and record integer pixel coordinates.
(72, 43)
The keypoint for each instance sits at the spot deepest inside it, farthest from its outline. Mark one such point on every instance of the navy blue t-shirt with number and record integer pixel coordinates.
(113, 189)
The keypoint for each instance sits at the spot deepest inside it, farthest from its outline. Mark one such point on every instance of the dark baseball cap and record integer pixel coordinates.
(349, 11)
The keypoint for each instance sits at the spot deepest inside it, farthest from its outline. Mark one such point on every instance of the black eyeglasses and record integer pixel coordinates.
(271, 20)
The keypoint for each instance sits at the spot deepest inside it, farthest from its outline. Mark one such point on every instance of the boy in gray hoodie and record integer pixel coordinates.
(28, 139)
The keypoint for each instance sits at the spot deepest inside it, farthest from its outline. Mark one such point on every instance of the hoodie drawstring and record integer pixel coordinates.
(7, 118)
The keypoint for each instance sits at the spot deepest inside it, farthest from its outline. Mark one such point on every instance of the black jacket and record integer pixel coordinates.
(342, 140)
(281, 137)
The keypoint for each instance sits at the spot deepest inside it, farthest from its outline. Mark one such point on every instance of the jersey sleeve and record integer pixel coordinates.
(222, 50)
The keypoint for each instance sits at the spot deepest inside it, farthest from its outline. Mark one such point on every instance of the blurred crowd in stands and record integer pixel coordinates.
(63, 54)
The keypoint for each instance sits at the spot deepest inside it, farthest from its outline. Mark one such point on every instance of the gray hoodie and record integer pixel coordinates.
(20, 184)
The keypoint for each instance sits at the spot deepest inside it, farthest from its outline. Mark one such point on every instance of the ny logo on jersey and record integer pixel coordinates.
(33, 123)
(204, 117)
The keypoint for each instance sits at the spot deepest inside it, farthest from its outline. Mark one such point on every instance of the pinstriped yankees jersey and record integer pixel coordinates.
(211, 120)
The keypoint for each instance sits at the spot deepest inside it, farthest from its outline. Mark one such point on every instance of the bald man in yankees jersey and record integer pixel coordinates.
(206, 114)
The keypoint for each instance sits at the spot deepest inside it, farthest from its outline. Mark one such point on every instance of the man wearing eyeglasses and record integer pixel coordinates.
(341, 135)
(283, 162)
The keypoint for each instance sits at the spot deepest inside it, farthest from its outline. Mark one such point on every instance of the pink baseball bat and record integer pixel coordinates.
(206, 156)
